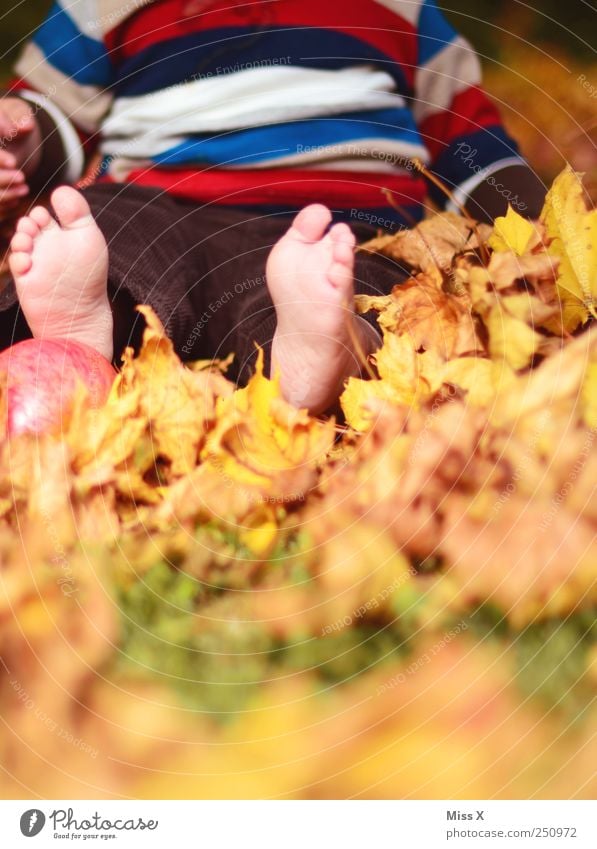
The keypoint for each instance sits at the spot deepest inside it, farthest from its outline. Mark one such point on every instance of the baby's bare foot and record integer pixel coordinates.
(61, 273)
(310, 280)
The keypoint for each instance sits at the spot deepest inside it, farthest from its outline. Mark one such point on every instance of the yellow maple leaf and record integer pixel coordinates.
(178, 403)
(100, 440)
(481, 378)
(406, 378)
(265, 444)
(573, 233)
(431, 317)
(510, 338)
(511, 232)
(362, 399)
(410, 373)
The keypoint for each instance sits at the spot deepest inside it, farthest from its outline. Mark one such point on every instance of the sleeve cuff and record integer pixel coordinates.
(462, 192)
(60, 140)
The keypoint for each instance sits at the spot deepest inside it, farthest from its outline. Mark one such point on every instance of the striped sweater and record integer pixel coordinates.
(268, 104)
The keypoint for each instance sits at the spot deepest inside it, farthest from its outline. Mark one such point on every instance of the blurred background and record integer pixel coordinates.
(533, 56)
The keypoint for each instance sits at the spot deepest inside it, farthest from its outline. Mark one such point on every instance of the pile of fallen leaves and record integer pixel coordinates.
(208, 593)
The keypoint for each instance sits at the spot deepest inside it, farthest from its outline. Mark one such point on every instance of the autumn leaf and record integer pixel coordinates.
(482, 379)
(431, 245)
(387, 307)
(104, 440)
(261, 442)
(406, 377)
(434, 319)
(573, 233)
(510, 338)
(362, 400)
(178, 403)
(511, 232)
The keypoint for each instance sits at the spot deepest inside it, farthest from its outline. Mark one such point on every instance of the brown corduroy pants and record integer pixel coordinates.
(201, 268)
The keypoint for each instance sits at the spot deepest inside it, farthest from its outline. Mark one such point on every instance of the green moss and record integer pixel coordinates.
(215, 663)
(552, 662)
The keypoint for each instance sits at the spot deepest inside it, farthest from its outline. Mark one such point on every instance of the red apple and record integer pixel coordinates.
(39, 376)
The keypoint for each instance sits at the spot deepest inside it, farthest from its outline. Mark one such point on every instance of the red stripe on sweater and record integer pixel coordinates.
(365, 20)
(337, 189)
(16, 85)
(470, 111)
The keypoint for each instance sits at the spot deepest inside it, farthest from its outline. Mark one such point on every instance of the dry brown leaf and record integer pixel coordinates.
(507, 268)
(431, 245)
(434, 319)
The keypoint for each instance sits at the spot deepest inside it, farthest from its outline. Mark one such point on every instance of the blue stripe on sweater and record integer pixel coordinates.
(243, 148)
(218, 52)
(434, 32)
(79, 57)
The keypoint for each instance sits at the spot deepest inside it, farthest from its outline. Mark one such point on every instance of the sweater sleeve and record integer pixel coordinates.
(459, 124)
(65, 73)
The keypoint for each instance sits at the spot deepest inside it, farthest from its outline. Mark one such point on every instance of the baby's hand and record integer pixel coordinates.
(20, 151)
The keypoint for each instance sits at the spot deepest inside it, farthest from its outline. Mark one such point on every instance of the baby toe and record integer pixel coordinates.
(21, 242)
(42, 217)
(339, 276)
(311, 223)
(343, 253)
(342, 234)
(27, 225)
(20, 263)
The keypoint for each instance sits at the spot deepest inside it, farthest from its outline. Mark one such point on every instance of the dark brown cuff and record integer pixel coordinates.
(515, 185)
(52, 168)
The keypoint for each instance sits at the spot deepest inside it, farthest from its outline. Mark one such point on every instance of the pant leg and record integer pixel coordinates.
(187, 262)
(175, 256)
(150, 260)
(13, 327)
(201, 268)
(147, 264)
(239, 311)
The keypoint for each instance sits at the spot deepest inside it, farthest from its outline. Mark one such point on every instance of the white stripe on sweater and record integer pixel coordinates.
(85, 105)
(410, 10)
(449, 72)
(85, 15)
(246, 98)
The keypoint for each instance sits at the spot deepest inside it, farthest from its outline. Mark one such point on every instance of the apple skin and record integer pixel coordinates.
(39, 377)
